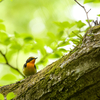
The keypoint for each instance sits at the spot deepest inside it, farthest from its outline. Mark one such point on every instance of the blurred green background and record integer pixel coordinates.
(34, 16)
(45, 29)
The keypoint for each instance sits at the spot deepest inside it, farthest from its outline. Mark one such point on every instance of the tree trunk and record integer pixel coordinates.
(75, 76)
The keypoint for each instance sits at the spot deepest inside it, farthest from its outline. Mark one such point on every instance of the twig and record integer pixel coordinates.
(85, 12)
(7, 63)
(96, 22)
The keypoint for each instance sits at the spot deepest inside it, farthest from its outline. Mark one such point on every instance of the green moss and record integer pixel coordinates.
(57, 71)
(53, 94)
(96, 29)
(43, 83)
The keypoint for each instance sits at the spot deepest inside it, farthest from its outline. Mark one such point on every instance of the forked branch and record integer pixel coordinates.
(85, 12)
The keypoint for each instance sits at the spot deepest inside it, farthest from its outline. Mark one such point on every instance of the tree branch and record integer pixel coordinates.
(71, 77)
(85, 12)
(7, 63)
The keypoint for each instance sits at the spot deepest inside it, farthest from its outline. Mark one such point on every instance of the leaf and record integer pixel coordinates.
(15, 46)
(51, 35)
(43, 62)
(77, 34)
(7, 41)
(60, 51)
(14, 71)
(64, 43)
(29, 48)
(2, 27)
(43, 51)
(57, 54)
(75, 41)
(80, 24)
(60, 34)
(40, 46)
(9, 77)
(40, 42)
(53, 45)
(98, 15)
(3, 37)
(1, 97)
(17, 35)
(10, 54)
(89, 20)
(10, 96)
(27, 39)
(63, 24)
(72, 34)
(1, 20)
(6, 82)
(54, 55)
(91, 1)
(63, 50)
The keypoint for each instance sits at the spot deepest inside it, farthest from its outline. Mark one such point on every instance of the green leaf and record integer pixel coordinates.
(43, 51)
(11, 53)
(15, 46)
(9, 77)
(72, 34)
(88, 1)
(1, 97)
(98, 15)
(51, 35)
(64, 43)
(60, 52)
(60, 34)
(75, 41)
(1, 20)
(80, 24)
(10, 96)
(77, 33)
(40, 42)
(43, 62)
(89, 20)
(53, 45)
(14, 71)
(7, 41)
(3, 37)
(91, 1)
(29, 48)
(17, 35)
(2, 27)
(27, 39)
(63, 24)
(63, 50)
(40, 46)
(54, 55)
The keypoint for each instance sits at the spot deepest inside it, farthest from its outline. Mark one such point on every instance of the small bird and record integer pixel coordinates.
(29, 67)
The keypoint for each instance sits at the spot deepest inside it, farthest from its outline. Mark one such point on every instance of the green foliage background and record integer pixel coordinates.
(39, 28)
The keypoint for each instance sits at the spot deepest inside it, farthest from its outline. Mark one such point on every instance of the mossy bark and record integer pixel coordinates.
(75, 76)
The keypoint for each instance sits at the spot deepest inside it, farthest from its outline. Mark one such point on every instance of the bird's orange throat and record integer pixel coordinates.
(30, 65)
(32, 61)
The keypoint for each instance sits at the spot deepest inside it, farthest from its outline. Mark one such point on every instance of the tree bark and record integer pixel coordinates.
(75, 76)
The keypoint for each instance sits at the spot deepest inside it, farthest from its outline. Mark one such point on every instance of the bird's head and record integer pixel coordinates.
(31, 59)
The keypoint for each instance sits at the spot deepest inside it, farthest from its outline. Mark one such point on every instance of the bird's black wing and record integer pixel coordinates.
(35, 66)
(25, 65)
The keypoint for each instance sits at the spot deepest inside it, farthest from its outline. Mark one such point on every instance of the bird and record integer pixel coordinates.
(29, 67)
